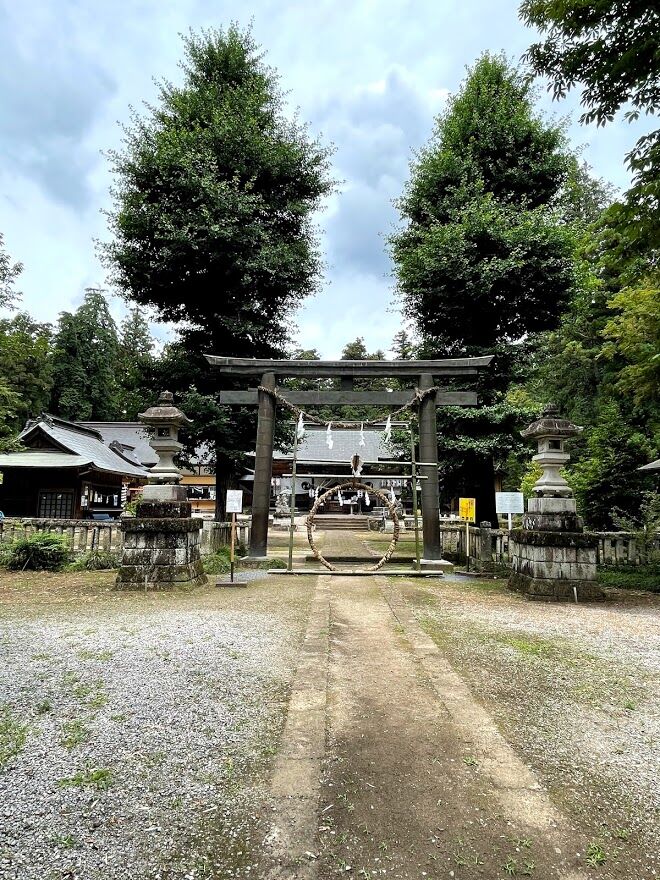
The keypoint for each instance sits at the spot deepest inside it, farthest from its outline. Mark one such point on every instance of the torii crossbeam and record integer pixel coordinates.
(424, 374)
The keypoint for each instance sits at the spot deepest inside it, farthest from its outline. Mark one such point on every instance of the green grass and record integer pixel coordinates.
(527, 645)
(73, 733)
(640, 577)
(596, 855)
(13, 735)
(96, 777)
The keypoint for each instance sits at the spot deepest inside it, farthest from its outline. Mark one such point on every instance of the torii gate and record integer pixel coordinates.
(424, 373)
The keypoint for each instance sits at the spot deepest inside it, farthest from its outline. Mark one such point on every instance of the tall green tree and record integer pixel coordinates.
(135, 362)
(601, 367)
(25, 365)
(610, 50)
(212, 220)
(85, 360)
(9, 272)
(484, 260)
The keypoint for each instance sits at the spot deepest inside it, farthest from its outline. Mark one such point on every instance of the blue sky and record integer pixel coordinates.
(368, 76)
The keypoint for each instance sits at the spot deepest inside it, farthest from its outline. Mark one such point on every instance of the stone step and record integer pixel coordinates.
(336, 522)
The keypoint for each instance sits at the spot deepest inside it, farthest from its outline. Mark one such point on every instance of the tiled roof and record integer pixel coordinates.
(132, 435)
(85, 443)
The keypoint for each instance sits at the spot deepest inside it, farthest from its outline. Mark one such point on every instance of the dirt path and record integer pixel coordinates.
(416, 780)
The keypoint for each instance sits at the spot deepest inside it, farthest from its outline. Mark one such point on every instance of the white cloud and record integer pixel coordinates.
(370, 75)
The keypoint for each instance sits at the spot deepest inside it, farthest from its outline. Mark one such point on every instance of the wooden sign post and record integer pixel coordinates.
(234, 505)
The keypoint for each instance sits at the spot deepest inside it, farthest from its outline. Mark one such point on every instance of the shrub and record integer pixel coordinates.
(42, 551)
(628, 577)
(95, 560)
(218, 562)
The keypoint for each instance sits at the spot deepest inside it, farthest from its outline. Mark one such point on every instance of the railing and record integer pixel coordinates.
(489, 548)
(83, 535)
(87, 535)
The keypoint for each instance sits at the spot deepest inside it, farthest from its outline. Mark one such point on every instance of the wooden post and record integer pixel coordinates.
(413, 471)
(263, 469)
(231, 546)
(292, 524)
(467, 545)
(428, 453)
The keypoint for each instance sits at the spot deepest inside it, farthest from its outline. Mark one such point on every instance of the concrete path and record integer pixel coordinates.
(387, 765)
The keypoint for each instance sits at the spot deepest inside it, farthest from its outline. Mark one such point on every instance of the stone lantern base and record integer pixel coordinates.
(161, 554)
(554, 565)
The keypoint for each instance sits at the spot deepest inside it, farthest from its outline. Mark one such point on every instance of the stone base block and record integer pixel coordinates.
(161, 554)
(164, 493)
(552, 565)
(436, 565)
(164, 509)
(554, 590)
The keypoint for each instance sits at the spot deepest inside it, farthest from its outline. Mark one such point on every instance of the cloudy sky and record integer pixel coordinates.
(368, 75)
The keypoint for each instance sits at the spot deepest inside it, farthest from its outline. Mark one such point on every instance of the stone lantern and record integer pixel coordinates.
(551, 556)
(552, 506)
(162, 543)
(165, 420)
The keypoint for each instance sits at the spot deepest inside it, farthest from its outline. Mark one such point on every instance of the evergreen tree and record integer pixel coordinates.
(485, 259)
(85, 361)
(25, 365)
(211, 223)
(135, 365)
(9, 272)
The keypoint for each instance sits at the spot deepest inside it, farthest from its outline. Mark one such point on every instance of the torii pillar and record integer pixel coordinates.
(263, 469)
(428, 454)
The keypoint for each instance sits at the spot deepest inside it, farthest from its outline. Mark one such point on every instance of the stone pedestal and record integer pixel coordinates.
(554, 565)
(161, 554)
(162, 544)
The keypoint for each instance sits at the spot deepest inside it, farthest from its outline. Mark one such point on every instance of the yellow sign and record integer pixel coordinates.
(466, 509)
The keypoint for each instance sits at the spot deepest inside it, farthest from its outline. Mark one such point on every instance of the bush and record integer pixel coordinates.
(41, 552)
(217, 563)
(95, 560)
(628, 577)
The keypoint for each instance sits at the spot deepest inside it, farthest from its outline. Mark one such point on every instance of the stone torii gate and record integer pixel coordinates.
(424, 373)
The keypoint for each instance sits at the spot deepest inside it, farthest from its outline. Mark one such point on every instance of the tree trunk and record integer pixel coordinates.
(484, 491)
(221, 483)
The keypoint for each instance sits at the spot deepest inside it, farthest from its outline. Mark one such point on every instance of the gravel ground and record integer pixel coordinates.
(135, 730)
(576, 690)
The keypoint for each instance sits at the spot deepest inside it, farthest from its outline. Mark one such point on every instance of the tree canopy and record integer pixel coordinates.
(610, 50)
(214, 193)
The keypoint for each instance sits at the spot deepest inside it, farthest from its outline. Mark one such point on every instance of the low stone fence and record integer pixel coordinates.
(86, 535)
(83, 534)
(490, 548)
(218, 534)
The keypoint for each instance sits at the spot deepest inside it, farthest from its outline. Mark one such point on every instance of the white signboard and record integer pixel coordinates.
(234, 502)
(509, 502)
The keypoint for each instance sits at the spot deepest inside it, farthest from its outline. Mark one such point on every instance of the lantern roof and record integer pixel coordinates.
(550, 424)
(165, 413)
